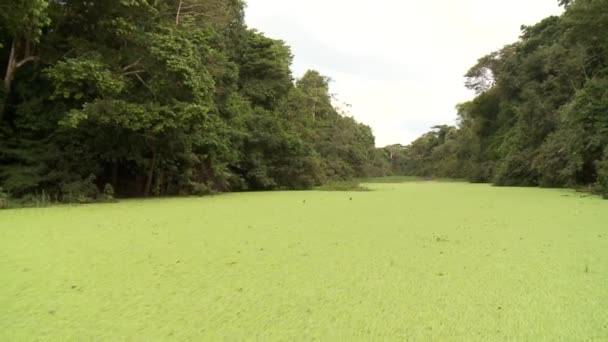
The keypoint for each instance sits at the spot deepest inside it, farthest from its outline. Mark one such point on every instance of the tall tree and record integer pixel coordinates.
(23, 21)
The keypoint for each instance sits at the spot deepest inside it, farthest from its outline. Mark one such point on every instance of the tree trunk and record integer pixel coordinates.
(8, 77)
(115, 174)
(159, 183)
(11, 69)
(179, 9)
(150, 175)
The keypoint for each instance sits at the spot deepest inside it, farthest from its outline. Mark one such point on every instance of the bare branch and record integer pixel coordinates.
(179, 9)
(141, 80)
(194, 14)
(26, 60)
(145, 85)
(132, 64)
(192, 6)
(134, 72)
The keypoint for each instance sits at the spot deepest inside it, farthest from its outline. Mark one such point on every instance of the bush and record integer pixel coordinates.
(516, 170)
(481, 172)
(80, 191)
(200, 189)
(4, 199)
(602, 176)
(108, 193)
(343, 186)
(42, 199)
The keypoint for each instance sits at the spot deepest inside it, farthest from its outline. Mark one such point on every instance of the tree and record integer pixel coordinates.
(538, 117)
(24, 22)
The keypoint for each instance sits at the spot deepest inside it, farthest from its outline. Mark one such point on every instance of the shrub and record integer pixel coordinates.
(42, 199)
(560, 159)
(200, 189)
(481, 172)
(602, 176)
(108, 193)
(4, 199)
(343, 186)
(80, 191)
(516, 170)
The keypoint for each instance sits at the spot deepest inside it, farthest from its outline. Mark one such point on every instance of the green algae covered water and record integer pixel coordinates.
(411, 261)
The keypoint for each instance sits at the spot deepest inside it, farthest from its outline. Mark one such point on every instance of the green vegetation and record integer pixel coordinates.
(404, 179)
(179, 97)
(4, 199)
(416, 260)
(138, 98)
(161, 98)
(540, 117)
(351, 185)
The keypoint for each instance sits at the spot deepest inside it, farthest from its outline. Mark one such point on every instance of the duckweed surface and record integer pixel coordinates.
(411, 261)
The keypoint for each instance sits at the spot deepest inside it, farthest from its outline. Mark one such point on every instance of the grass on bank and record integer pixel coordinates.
(405, 179)
(349, 185)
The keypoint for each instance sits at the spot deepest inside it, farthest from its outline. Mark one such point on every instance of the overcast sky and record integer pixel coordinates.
(399, 63)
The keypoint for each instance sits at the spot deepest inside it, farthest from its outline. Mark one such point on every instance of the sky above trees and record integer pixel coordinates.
(390, 59)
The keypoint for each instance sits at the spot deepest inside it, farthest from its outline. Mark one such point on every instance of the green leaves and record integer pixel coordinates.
(154, 98)
(25, 18)
(181, 55)
(264, 69)
(602, 171)
(83, 79)
(539, 117)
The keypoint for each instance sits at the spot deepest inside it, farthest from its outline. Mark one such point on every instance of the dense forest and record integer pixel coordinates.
(180, 97)
(161, 97)
(540, 117)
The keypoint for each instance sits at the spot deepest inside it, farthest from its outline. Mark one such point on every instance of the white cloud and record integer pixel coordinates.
(399, 63)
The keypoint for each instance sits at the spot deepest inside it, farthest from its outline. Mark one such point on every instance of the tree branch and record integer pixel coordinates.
(134, 72)
(179, 9)
(192, 6)
(26, 60)
(132, 64)
(146, 85)
(197, 14)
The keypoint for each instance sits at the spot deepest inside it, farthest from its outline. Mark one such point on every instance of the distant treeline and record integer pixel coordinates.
(540, 117)
(163, 97)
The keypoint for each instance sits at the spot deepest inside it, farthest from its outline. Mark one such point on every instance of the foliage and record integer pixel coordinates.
(390, 179)
(107, 195)
(351, 185)
(162, 98)
(80, 190)
(4, 199)
(200, 189)
(602, 179)
(539, 117)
